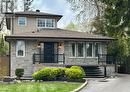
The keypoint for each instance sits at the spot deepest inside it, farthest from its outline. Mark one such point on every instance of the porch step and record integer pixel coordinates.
(93, 72)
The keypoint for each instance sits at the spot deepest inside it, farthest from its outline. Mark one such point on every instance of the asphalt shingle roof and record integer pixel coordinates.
(34, 13)
(59, 33)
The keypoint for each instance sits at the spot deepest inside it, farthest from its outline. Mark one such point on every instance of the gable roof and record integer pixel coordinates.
(34, 14)
(59, 34)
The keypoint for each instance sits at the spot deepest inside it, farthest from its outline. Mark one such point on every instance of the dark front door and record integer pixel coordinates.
(48, 52)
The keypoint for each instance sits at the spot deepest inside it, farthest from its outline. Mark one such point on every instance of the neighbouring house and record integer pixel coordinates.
(36, 42)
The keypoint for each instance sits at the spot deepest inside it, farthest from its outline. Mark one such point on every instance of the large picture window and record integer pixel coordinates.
(85, 49)
(77, 49)
(22, 21)
(73, 50)
(20, 49)
(45, 23)
(80, 49)
(89, 48)
(97, 49)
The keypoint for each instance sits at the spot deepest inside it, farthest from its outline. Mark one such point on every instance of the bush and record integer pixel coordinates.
(78, 67)
(38, 75)
(19, 72)
(59, 73)
(74, 74)
(49, 74)
(70, 74)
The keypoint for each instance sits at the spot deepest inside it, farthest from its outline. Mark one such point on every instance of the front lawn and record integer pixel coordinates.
(40, 87)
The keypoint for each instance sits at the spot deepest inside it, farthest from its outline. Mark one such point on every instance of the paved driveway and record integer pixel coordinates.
(119, 84)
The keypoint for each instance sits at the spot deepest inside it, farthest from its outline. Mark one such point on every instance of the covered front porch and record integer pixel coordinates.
(50, 52)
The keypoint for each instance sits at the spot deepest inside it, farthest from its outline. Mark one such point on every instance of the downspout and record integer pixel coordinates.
(9, 59)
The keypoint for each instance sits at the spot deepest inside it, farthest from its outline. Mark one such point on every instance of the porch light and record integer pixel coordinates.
(39, 45)
(60, 45)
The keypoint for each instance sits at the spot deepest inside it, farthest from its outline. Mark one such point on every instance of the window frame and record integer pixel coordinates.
(40, 19)
(54, 24)
(25, 21)
(99, 49)
(85, 49)
(92, 50)
(76, 48)
(24, 48)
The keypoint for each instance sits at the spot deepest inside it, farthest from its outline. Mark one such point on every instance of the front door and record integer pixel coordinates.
(48, 52)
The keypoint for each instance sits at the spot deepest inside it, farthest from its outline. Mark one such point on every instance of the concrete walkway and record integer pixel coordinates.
(119, 84)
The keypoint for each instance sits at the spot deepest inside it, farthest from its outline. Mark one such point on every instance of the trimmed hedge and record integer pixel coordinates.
(74, 74)
(50, 74)
(78, 67)
(19, 72)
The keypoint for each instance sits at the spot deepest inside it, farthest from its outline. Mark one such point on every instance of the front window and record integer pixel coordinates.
(80, 49)
(97, 49)
(49, 23)
(45, 23)
(85, 49)
(73, 50)
(22, 21)
(41, 22)
(89, 48)
(77, 50)
(20, 49)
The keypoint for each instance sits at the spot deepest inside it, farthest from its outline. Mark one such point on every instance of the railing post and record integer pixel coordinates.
(40, 59)
(63, 58)
(98, 58)
(57, 56)
(34, 58)
(105, 71)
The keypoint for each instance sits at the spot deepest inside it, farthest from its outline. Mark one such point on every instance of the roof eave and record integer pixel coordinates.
(8, 38)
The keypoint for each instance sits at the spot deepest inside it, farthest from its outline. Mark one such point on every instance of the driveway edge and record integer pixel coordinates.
(81, 87)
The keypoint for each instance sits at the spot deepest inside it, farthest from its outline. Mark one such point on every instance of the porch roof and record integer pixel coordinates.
(58, 34)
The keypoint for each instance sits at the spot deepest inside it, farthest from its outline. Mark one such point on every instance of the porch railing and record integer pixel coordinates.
(105, 59)
(53, 58)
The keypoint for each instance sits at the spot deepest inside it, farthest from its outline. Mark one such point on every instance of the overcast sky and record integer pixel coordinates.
(57, 7)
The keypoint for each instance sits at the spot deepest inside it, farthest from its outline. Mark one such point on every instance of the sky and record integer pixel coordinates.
(61, 7)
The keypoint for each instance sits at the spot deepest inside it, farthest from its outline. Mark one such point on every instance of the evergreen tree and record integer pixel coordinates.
(3, 46)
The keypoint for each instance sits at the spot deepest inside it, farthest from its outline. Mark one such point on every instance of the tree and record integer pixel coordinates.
(27, 4)
(111, 19)
(89, 10)
(72, 26)
(3, 46)
(117, 25)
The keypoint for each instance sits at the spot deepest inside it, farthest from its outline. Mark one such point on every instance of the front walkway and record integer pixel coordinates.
(119, 84)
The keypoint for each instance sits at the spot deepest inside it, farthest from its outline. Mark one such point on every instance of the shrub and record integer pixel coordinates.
(49, 74)
(59, 73)
(38, 75)
(74, 74)
(70, 74)
(78, 67)
(19, 72)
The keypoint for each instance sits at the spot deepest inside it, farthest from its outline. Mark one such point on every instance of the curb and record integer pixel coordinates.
(81, 87)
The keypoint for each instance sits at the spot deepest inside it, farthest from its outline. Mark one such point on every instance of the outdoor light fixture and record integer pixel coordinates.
(39, 45)
(59, 45)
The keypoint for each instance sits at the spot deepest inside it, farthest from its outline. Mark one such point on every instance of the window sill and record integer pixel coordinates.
(20, 56)
(45, 27)
(83, 57)
(76, 57)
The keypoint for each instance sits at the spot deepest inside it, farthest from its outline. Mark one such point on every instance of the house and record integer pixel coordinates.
(35, 42)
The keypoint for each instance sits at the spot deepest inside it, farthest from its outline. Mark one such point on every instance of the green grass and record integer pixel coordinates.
(40, 87)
